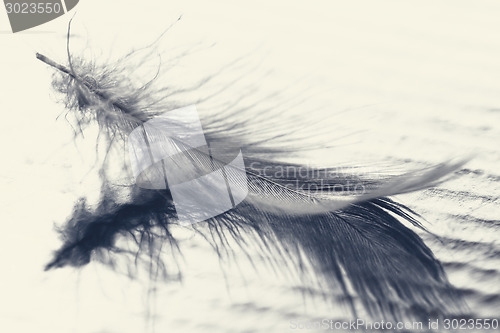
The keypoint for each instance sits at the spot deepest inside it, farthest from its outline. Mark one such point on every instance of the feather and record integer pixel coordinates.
(354, 240)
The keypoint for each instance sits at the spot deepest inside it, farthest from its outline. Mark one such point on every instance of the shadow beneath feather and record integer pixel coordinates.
(381, 266)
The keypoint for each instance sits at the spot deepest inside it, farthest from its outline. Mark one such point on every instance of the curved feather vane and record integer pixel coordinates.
(354, 240)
